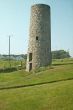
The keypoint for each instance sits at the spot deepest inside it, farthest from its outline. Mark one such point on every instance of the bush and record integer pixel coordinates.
(5, 70)
(60, 54)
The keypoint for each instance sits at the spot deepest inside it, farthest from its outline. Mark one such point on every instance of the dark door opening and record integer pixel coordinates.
(30, 66)
(30, 56)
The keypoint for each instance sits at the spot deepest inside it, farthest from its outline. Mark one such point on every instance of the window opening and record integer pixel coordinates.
(36, 37)
(30, 56)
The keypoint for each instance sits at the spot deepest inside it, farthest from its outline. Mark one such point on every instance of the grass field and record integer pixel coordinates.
(4, 63)
(55, 91)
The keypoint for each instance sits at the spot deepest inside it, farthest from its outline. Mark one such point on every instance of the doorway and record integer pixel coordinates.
(30, 56)
(30, 66)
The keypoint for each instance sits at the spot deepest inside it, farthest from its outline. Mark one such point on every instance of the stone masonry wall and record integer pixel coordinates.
(39, 37)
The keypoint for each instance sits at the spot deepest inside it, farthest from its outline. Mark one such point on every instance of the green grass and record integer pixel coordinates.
(14, 63)
(50, 96)
(55, 96)
(24, 78)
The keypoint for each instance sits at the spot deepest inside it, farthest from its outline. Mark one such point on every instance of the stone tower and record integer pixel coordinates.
(39, 48)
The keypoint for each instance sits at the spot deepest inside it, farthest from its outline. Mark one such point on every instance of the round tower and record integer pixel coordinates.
(39, 48)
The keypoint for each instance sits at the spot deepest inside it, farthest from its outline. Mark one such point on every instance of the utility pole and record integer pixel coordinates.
(9, 53)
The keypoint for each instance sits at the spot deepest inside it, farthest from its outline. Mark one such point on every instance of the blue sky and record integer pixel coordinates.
(15, 21)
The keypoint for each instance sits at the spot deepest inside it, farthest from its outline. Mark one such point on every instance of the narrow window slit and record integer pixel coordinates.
(36, 37)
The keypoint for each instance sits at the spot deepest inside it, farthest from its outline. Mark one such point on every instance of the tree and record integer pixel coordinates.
(60, 54)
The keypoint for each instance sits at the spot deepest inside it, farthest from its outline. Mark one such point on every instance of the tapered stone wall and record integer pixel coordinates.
(39, 48)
